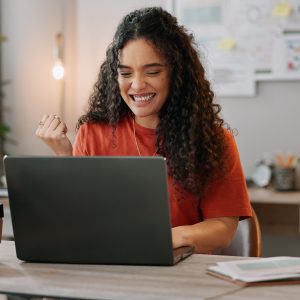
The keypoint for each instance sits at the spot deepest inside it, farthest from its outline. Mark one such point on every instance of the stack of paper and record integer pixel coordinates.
(273, 270)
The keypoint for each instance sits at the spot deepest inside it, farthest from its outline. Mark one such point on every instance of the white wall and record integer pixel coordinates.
(266, 123)
(31, 26)
(269, 122)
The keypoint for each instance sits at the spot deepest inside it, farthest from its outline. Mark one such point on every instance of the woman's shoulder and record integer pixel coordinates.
(229, 133)
(103, 126)
(229, 136)
(91, 126)
(230, 145)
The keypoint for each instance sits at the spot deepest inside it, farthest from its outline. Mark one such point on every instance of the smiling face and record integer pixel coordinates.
(143, 78)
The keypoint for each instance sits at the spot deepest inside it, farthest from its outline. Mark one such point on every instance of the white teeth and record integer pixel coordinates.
(143, 98)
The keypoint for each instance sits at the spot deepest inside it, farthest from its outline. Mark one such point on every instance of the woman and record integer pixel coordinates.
(152, 98)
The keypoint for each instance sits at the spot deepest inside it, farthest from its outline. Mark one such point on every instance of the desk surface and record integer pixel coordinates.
(187, 280)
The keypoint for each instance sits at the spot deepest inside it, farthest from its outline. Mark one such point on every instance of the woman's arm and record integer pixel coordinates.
(206, 236)
(52, 131)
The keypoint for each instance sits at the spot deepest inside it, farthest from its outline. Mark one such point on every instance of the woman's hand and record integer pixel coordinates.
(207, 235)
(52, 131)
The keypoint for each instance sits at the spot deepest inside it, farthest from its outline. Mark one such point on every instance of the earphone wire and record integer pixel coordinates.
(135, 140)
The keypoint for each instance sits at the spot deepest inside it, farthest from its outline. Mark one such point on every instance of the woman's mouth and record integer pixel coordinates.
(143, 97)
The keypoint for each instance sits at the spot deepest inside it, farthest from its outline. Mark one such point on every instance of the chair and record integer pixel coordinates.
(247, 239)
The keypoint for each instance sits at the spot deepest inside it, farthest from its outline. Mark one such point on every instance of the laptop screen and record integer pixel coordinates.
(111, 210)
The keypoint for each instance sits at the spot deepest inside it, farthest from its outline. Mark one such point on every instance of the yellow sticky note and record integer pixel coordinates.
(282, 10)
(227, 44)
(3, 38)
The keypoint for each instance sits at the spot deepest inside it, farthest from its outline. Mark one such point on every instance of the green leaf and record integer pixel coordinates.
(3, 130)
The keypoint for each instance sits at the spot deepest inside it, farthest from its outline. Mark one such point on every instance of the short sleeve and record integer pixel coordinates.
(79, 146)
(227, 196)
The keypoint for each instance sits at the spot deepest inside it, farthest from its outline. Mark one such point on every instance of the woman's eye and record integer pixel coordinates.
(125, 74)
(153, 73)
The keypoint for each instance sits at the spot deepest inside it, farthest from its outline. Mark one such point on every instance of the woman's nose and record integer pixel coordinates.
(138, 83)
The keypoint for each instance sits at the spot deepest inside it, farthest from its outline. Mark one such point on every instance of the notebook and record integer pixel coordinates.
(95, 210)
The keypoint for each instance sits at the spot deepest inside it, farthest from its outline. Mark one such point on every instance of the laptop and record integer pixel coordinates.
(91, 210)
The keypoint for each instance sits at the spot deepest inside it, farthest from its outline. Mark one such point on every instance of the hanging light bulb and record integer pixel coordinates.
(58, 70)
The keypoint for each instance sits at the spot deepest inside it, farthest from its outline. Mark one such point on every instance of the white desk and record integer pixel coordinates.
(187, 280)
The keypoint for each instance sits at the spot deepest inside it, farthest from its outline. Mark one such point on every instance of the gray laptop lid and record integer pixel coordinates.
(110, 210)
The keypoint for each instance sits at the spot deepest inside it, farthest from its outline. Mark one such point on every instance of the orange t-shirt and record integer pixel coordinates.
(224, 198)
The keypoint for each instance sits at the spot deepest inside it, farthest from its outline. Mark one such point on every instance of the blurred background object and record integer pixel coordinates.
(4, 129)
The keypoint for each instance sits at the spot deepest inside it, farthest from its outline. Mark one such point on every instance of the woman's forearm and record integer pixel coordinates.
(206, 236)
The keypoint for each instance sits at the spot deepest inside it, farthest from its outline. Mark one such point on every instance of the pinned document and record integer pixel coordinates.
(227, 44)
(282, 10)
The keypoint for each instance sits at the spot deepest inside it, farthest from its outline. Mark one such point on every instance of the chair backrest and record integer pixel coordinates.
(247, 239)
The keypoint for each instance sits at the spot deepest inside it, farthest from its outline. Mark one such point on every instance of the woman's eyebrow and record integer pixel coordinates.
(123, 67)
(144, 66)
(153, 65)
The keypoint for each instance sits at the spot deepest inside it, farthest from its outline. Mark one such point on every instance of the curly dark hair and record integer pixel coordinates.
(189, 133)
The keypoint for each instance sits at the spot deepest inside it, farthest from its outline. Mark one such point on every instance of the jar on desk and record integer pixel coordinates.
(286, 172)
(284, 178)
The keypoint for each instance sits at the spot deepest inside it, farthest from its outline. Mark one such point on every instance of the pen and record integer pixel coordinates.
(288, 161)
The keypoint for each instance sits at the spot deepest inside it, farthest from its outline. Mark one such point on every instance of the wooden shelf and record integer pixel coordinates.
(277, 212)
(271, 196)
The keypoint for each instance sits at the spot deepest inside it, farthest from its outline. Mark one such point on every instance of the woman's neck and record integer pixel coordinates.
(147, 122)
